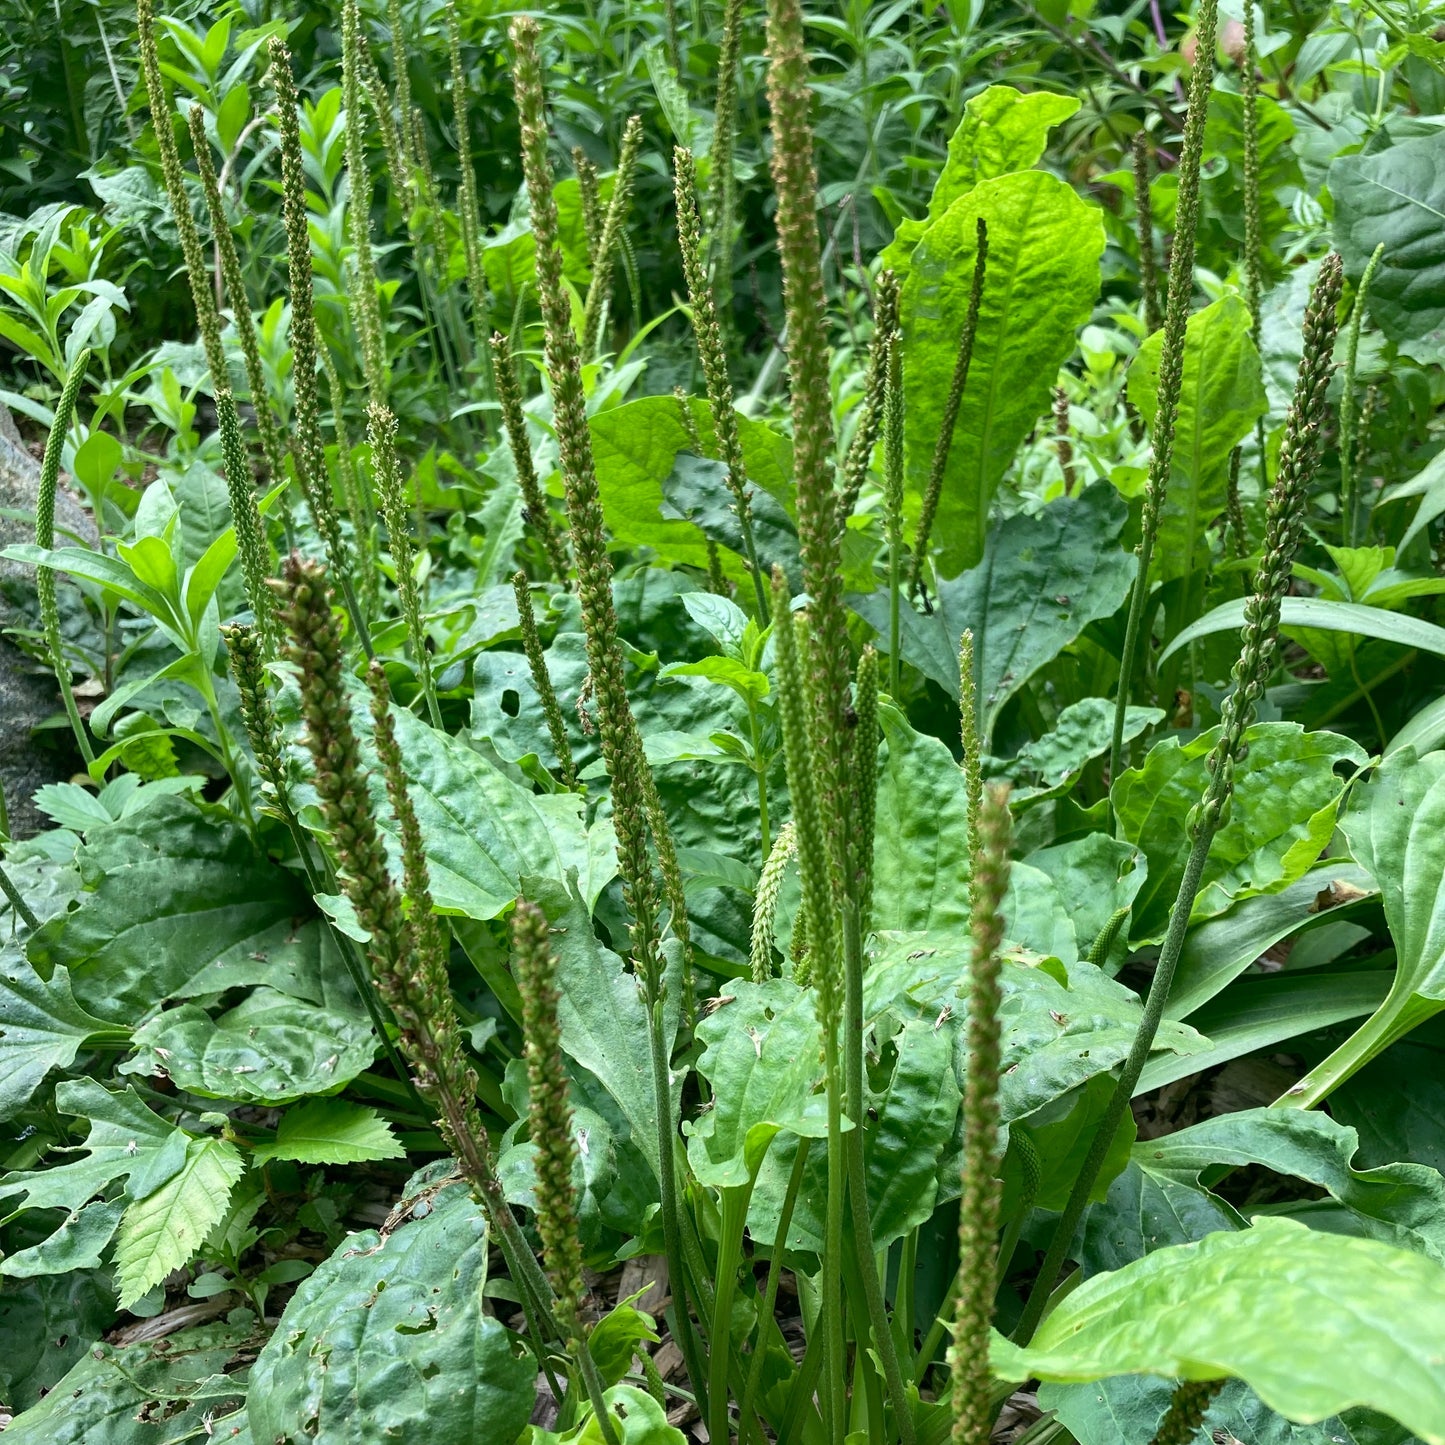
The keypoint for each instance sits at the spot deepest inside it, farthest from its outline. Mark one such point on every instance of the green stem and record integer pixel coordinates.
(858, 1172)
(1138, 595)
(760, 771)
(23, 910)
(1124, 1087)
(775, 1275)
(835, 1390)
(729, 1258)
(1349, 416)
(667, 1184)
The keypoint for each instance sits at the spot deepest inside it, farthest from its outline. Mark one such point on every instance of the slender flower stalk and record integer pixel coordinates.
(308, 451)
(1171, 356)
(1349, 470)
(246, 518)
(933, 490)
(398, 169)
(864, 759)
(1259, 640)
(234, 283)
(599, 292)
(358, 505)
(627, 766)
(723, 207)
(400, 71)
(514, 423)
(870, 423)
(45, 537)
(973, 1411)
(406, 947)
(542, 681)
(549, 1109)
(386, 470)
(468, 207)
(796, 184)
(1234, 508)
(362, 294)
(1144, 226)
(819, 914)
(969, 736)
(765, 902)
(1188, 1406)
(208, 319)
(1061, 438)
(247, 652)
(893, 415)
(22, 910)
(1253, 229)
(713, 355)
(550, 1120)
(590, 194)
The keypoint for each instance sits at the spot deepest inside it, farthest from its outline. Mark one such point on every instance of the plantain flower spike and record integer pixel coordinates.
(1188, 1406)
(875, 393)
(542, 680)
(549, 1110)
(247, 653)
(973, 1410)
(765, 901)
(611, 240)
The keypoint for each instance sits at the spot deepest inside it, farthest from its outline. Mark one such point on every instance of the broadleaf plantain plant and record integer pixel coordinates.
(784, 1037)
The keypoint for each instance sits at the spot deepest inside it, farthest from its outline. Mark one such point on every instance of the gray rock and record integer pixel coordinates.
(28, 694)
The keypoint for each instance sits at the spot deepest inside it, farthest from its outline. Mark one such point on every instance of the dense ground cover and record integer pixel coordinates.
(748, 712)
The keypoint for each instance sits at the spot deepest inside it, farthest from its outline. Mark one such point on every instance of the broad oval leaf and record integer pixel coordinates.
(390, 1331)
(1395, 826)
(1286, 793)
(1221, 397)
(1044, 245)
(1396, 196)
(269, 1049)
(1315, 1323)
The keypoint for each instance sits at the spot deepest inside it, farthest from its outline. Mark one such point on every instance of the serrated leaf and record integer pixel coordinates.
(162, 1231)
(331, 1131)
(41, 1028)
(1315, 1323)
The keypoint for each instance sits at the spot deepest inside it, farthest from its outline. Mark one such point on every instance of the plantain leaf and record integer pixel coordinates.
(390, 1331)
(1394, 829)
(637, 1419)
(1399, 1204)
(77, 1244)
(161, 1231)
(1042, 580)
(269, 1049)
(1044, 245)
(1002, 130)
(1221, 948)
(1395, 196)
(1286, 794)
(179, 903)
(762, 1056)
(1327, 615)
(150, 1393)
(1315, 1323)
